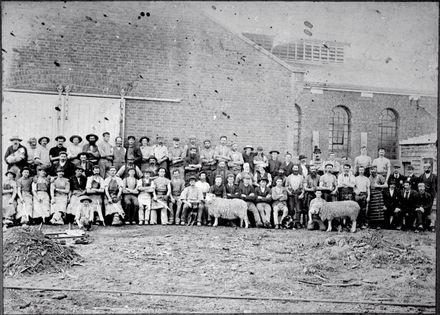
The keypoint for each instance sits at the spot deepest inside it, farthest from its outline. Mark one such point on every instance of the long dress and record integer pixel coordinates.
(376, 211)
(24, 209)
(41, 208)
(9, 209)
(60, 206)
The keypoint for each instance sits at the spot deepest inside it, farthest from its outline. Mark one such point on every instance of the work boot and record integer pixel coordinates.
(116, 220)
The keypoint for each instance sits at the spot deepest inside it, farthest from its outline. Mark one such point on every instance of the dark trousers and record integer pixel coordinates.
(131, 208)
(308, 196)
(405, 218)
(294, 204)
(327, 196)
(361, 199)
(423, 218)
(193, 208)
(346, 193)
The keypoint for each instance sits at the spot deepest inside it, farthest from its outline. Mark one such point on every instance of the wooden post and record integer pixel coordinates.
(60, 106)
(122, 114)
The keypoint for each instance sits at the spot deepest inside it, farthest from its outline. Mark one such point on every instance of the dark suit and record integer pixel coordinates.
(391, 203)
(68, 167)
(425, 201)
(414, 181)
(287, 168)
(274, 166)
(87, 167)
(407, 207)
(399, 181)
(430, 184)
(137, 154)
(249, 159)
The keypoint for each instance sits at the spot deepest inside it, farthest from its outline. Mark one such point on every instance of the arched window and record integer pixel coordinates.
(339, 131)
(388, 139)
(296, 129)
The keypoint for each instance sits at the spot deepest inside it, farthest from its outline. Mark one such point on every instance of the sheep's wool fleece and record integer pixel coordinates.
(227, 208)
(337, 209)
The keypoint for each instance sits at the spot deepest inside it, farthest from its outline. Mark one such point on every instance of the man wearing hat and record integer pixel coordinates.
(161, 193)
(161, 153)
(133, 152)
(84, 213)
(74, 149)
(260, 158)
(236, 161)
(204, 186)
(221, 170)
(63, 163)
(16, 156)
(317, 161)
(273, 163)
(85, 164)
(130, 194)
(247, 193)
(118, 153)
(279, 197)
(25, 200)
(146, 151)
(191, 197)
(391, 199)
(398, 178)
(248, 156)
(112, 200)
(209, 164)
(9, 192)
(303, 166)
(192, 164)
(264, 198)
(412, 178)
(123, 171)
(31, 153)
(176, 156)
(177, 186)
(77, 189)
(106, 151)
(192, 143)
(95, 190)
(92, 148)
(54, 153)
(152, 167)
(41, 154)
(222, 152)
(59, 191)
(40, 191)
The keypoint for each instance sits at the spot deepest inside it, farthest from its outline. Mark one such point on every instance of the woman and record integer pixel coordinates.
(25, 200)
(40, 190)
(146, 151)
(376, 209)
(9, 193)
(59, 190)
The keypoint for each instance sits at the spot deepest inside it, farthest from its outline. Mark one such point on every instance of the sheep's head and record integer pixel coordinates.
(315, 207)
(210, 197)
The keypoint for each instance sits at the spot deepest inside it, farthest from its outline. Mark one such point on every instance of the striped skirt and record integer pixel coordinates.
(375, 211)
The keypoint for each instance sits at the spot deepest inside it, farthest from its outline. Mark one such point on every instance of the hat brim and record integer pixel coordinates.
(84, 199)
(16, 138)
(47, 138)
(10, 172)
(140, 140)
(75, 136)
(82, 153)
(90, 135)
(247, 147)
(274, 151)
(60, 137)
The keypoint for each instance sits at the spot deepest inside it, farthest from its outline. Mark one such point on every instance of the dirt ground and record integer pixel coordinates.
(389, 265)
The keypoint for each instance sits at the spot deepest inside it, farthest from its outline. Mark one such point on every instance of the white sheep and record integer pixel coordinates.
(337, 209)
(229, 209)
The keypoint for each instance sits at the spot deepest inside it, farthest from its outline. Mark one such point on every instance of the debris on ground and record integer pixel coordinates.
(28, 250)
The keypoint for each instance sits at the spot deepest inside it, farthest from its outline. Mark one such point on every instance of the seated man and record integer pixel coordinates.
(84, 213)
(203, 185)
(247, 193)
(231, 188)
(279, 197)
(314, 218)
(77, 189)
(391, 198)
(423, 209)
(218, 189)
(59, 191)
(177, 186)
(123, 171)
(112, 200)
(191, 198)
(161, 193)
(130, 192)
(95, 191)
(264, 198)
(145, 188)
(85, 164)
(406, 211)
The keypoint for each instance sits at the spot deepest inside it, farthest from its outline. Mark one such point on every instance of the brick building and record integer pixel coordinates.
(182, 73)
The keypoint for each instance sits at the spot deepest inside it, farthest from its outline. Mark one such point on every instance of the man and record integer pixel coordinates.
(362, 160)
(412, 178)
(405, 213)
(287, 165)
(91, 148)
(303, 167)
(112, 201)
(130, 193)
(175, 204)
(161, 193)
(176, 157)
(146, 151)
(84, 163)
(133, 152)
(24, 193)
(221, 170)
(222, 152)
(383, 164)
(118, 154)
(328, 184)
(41, 201)
(59, 191)
(336, 169)
(95, 190)
(9, 192)
(123, 171)
(260, 160)
(54, 153)
(77, 184)
(430, 180)
(218, 189)
(231, 188)
(248, 156)
(391, 199)
(209, 164)
(236, 161)
(295, 191)
(16, 156)
(192, 143)
(204, 186)
(152, 167)
(247, 193)
(246, 171)
(31, 153)
(41, 154)
(191, 197)
(62, 163)
(161, 153)
(314, 218)
(311, 184)
(263, 200)
(106, 151)
(274, 163)
(362, 195)
(398, 178)
(74, 149)
(262, 173)
(145, 188)
(346, 183)
(192, 164)
(317, 161)
(279, 197)
(423, 209)
(282, 175)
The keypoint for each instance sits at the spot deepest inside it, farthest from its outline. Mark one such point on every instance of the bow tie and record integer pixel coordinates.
(345, 175)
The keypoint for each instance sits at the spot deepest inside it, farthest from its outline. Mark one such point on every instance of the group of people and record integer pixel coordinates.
(97, 182)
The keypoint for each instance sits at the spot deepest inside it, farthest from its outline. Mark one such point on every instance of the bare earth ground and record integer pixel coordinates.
(231, 261)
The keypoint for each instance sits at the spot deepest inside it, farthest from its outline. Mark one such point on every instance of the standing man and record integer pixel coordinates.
(248, 156)
(161, 193)
(279, 197)
(274, 163)
(16, 156)
(336, 169)
(130, 192)
(222, 152)
(412, 178)
(209, 164)
(362, 160)
(406, 212)
(78, 184)
(54, 153)
(192, 164)
(161, 153)
(260, 159)
(74, 149)
(192, 143)
(25, 200)
(145, 188)
(175, 204)
(41, 154)
(222, 171)
(398, 178)
(430, 180)
(303, 167)
(287, 165)
(118, 154)
(106, 151)
(328, 184)
(383, 164)
(236, 161)
(133, 152)
(146, 151)
(362, 196)
(176, 157)
(31, 153)
(59, 191)
(346, 183)
(376, 209)
(311, 185)
(295, 191)
(91, 148)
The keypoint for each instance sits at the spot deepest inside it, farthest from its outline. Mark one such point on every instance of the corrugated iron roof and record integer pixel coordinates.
(424, 139)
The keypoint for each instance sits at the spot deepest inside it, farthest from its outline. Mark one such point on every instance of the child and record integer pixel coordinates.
(9, 193)
(84, 214)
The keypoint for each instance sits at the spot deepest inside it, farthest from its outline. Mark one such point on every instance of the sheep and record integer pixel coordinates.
(227, 209)
(337, 209)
